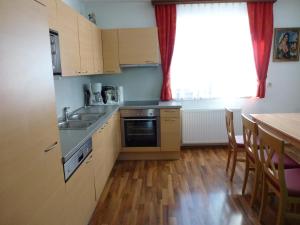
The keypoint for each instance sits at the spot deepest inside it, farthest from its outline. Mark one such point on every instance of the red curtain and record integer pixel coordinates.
(166, 23)
(261, 27)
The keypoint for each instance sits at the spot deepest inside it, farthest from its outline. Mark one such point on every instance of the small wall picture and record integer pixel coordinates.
(286, 44)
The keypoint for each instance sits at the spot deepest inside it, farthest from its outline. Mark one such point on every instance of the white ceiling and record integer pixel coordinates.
(115, 0)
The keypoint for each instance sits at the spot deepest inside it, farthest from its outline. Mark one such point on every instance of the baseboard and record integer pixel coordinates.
(194, 146)
(149, 155)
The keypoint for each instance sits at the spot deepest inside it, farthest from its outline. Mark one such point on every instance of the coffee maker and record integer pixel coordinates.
(92, 93)
(110, 95)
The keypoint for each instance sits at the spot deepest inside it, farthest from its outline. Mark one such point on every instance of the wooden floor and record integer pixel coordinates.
(194, 190)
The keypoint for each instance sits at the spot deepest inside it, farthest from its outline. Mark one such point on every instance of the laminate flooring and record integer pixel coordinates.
(194, 190)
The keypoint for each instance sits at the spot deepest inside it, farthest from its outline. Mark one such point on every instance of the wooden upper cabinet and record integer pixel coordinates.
(32, 183)
(110, 47)
(68, 38)
(85, 45)
(97, 50)
(52, 14)
(138, 46)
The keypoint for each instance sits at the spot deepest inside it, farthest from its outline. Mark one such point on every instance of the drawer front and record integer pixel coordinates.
(170, 113)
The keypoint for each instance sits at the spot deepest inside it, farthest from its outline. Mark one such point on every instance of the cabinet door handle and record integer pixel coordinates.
(149, 61)
(51, 147)
(170, 120)
(90, 160)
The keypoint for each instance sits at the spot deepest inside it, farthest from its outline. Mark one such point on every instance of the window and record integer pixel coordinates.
(213, 55)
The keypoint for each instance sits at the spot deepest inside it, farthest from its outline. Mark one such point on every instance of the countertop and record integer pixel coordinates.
(161, 104)
(71, 140)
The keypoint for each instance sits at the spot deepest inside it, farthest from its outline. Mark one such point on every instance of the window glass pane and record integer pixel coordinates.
(213, 55)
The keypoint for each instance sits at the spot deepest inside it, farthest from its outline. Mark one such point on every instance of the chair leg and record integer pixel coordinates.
(246, 175)
(255, 186)
(280, 213)
(228, 159)
(264, 199)
(233, 165)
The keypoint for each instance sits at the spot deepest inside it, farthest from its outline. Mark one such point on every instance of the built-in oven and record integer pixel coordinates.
(140, 127)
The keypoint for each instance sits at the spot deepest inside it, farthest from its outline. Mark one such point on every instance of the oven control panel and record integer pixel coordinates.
(139, 112)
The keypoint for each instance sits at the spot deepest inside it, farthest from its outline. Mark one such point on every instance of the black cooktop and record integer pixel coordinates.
(141, 103)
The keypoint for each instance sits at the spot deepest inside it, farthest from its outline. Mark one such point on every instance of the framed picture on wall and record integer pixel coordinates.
(286, 44)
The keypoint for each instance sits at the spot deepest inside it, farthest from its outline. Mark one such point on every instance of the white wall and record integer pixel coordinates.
(122, 14)
(139, 83)
(282, 94)
(77, 5)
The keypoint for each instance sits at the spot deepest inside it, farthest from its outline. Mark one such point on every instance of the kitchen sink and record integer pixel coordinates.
(86, 116)
(92, 110)
(74, 124)
(82, 118)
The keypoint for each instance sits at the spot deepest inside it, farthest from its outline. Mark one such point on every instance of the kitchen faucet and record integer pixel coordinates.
(66, 113)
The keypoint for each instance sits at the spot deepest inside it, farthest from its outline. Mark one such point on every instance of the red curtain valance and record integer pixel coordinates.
(168, 2)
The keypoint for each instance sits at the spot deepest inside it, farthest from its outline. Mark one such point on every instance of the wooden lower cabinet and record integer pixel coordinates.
(170, 129)
(52, 212)
(99, 151)
(106, 147)
(116, 135)
(80, 194)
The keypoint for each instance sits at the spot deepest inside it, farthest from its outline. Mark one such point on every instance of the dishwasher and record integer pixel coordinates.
(71, 165)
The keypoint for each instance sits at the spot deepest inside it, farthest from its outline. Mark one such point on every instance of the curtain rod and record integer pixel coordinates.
(170, 2)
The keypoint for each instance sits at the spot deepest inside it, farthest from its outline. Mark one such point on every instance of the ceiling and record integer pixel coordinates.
(115, 0)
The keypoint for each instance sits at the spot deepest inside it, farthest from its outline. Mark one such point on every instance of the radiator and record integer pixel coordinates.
(207, 126)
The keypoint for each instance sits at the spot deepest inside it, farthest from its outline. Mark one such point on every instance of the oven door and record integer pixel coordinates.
(140, 132)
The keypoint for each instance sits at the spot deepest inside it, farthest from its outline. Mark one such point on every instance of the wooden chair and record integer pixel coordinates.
(235, 143)
(285, 183)
(253, 161)
(250, 134)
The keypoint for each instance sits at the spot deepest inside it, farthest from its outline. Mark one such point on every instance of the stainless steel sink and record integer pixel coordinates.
(86, 116)
(74, 124)
(92, 109)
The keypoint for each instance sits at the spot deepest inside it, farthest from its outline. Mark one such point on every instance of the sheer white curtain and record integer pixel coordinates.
(213, 56)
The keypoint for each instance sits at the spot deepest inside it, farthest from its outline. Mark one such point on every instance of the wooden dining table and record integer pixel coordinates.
(283, 125)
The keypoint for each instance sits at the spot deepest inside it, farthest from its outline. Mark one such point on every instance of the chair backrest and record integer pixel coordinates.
(250, 135)
(230, 128)
(270, 145)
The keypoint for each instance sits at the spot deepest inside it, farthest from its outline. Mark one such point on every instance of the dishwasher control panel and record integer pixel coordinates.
(77, 158)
